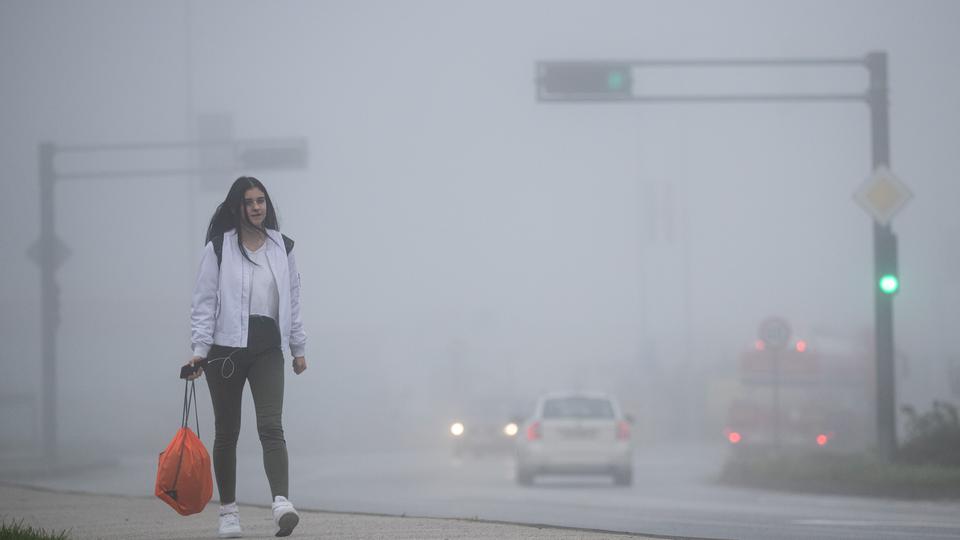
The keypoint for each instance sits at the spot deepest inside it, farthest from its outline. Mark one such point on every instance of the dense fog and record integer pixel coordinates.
(463, 247)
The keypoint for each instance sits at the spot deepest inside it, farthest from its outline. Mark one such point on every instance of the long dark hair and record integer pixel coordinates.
(230, 214)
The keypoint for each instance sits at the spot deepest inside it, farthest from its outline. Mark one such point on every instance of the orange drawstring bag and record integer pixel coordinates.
(183, 476)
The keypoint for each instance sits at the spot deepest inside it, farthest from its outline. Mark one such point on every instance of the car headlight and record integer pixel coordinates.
(510, 429)
(456, 429)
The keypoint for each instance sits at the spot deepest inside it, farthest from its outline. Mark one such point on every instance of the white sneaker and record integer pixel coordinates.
(230, 521)
(284, 515)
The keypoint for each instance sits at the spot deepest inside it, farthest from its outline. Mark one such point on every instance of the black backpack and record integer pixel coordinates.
(218, 246)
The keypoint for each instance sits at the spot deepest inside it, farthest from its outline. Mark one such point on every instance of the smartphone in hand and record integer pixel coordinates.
(188, 370)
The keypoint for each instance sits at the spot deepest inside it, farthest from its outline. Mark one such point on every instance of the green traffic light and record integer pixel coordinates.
(615, 80)
(889, 284)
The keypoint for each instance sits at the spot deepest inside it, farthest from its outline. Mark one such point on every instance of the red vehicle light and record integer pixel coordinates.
(533, 431)
(733, 437)
(623, 430)
(822, 439)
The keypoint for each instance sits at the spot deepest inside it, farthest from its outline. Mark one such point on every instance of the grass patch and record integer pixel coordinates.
(16, 530)
(858, 474)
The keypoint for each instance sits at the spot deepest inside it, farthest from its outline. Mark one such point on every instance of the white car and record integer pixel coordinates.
(575, 434)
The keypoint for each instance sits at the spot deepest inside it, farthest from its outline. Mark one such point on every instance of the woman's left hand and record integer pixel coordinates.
(299, 364)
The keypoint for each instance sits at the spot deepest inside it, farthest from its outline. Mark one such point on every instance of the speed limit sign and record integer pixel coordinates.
(774, 332)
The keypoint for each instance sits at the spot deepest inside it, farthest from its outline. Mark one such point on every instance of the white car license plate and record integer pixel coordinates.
(578, 433)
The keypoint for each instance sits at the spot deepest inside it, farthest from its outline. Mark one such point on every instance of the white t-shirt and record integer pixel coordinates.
(264, 298)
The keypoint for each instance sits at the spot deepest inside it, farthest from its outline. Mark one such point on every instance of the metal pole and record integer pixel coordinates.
(883, 237)
(777, 443)
(49, 300)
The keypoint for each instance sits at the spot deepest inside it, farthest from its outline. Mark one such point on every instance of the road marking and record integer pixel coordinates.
(861, 523)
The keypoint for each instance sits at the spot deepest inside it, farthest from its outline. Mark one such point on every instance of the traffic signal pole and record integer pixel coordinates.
(885, 262)
(609, 81)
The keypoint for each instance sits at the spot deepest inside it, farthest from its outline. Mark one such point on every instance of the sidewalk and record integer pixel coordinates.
(112, 517)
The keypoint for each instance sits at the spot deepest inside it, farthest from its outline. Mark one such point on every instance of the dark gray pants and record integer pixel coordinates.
(227, 369)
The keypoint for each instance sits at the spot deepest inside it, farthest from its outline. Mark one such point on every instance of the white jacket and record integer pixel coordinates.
(221, 302)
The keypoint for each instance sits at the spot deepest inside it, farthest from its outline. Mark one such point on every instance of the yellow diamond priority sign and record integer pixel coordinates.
(882, 195)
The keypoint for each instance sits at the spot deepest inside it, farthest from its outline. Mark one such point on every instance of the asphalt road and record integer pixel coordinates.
(673, 494)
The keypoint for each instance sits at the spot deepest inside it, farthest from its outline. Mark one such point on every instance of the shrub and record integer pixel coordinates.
(932, 437)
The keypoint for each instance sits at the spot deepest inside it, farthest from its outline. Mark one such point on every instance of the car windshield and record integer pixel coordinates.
(577, 408)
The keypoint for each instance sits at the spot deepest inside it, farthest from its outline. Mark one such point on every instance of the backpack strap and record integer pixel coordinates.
(218, 246)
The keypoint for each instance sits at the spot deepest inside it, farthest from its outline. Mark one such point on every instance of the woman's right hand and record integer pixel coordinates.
(193, 363)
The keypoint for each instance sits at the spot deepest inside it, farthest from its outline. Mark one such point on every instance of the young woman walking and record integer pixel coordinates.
(245, 313)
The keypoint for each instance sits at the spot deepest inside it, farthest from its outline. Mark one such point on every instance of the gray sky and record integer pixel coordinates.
(456, 237)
